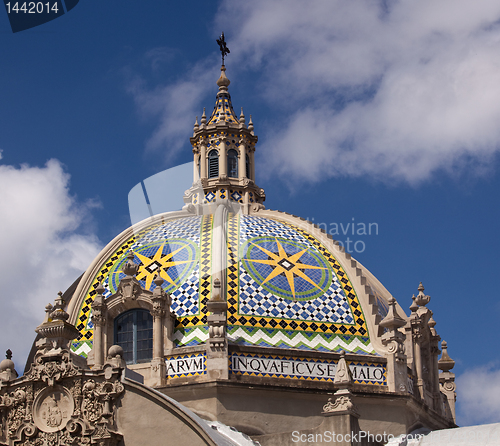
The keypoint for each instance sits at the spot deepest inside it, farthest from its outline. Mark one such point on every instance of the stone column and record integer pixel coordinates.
(447, 382)
(242, 159)
(160, 301)
(417, 336)
(203, 158)
(222, 157)
(434, 372)
(397, 378)
(419, 321)
(99, 313)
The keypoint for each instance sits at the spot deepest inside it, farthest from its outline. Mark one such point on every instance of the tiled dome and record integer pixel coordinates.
(284, 287)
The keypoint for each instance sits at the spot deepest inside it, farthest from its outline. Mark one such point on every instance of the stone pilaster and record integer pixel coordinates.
(434, 367)
(161, 306)
(420, 333)
(222, 158)
(447, 382)
(242, 159)
(203, 157)
(217, 351)
(340, 411)
(394, 340)
(99, 320)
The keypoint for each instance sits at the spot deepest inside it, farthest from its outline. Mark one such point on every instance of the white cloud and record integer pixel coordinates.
(394, 89)
(175, 104)
(478, 397)
(43, 248)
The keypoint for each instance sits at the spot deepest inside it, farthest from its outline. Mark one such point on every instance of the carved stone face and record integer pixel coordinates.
(53, 408)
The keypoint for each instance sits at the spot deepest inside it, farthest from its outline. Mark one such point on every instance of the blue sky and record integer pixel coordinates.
(379, 112)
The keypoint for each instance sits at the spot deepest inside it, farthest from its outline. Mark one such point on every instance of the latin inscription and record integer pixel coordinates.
(303, 369)
(181, 366)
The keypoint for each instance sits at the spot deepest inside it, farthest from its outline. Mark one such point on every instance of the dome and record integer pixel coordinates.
(288, 285)
(249, 316)
(228, 304)
(7, 364)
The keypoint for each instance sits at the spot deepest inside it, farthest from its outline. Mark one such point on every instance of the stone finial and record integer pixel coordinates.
(203, 118)
(343, 402)
(242, 117)
(445, 363)
(343, 375)
(196, 125)
(432, 324)
(58, 313)
(250, 125)
(160, 299)
(116, 357)
(48, 310)
(55, 330)
(158, 280)
(99, 306)
(7, 368)
(223, 82)
(100, 289)
(393, 320)
(413, 306)
(130, 268)
(422, 300)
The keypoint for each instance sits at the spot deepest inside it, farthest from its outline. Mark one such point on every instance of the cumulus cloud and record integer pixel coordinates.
(397, 90)
(44, 248)
(175, 105)
(479, 395)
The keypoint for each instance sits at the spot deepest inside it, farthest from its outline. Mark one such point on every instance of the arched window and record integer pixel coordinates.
(213, 164)
(247, 166)
(134, 333)
(232, 163)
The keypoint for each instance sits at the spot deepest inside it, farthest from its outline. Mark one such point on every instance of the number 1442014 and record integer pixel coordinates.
(32, 7)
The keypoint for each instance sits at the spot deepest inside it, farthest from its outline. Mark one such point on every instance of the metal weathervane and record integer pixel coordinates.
(223, 47)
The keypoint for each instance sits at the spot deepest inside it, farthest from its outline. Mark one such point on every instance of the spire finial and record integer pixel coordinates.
(130, 268)
(223, 82)
(250, 124)
(445, 363)
(8, 354)
(422, 300)
(223, 47)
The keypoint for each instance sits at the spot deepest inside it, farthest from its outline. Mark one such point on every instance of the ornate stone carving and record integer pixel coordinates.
(129, 287)
(52, 371)
(99, 309)
(217, 319)
(53, 408)
(58, 403)
(341, 404)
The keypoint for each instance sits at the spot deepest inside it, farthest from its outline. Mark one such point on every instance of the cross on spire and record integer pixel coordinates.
(223, 47)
